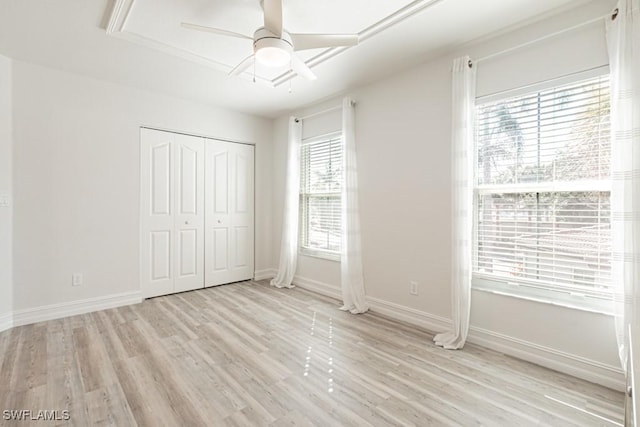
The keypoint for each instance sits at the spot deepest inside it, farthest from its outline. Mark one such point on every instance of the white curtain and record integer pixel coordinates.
(353, 294)
(623, 38)
(289, 245)
(462, 117)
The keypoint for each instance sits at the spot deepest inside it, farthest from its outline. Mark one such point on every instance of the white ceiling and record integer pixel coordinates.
(147, 48)
(242, 16)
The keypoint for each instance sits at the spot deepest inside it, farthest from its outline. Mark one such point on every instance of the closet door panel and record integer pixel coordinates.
(189, 220)
(188, 242)
(171, 212)
(220, 182)
(242, 192)
(217, 241)
(242, 246)
(157, 214)
(220, 249)
(160, 255)
(241, 252)
(229, 217)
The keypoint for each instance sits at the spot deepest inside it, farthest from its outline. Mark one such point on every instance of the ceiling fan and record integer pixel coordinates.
(273, 46)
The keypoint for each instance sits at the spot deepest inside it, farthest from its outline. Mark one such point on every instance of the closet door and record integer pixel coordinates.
(229, 240)
(242, 212)
(157, 217)
(189, 207)
(172, 213)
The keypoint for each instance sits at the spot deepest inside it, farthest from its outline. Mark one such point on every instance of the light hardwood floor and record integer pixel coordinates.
(248, 354)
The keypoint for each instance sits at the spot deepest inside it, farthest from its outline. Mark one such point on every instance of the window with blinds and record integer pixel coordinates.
(320, 199)
(542, 193)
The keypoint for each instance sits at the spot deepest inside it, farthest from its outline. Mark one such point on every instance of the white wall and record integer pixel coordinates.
(6, 216)
(403, 136)
(76, 180)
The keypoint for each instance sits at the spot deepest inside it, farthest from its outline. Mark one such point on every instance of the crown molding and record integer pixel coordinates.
(121, 9)
(119, 14)
(389, 21)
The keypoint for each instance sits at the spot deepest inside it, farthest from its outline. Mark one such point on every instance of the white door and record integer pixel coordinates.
(229, 212)
(172, 213)
(189, 207)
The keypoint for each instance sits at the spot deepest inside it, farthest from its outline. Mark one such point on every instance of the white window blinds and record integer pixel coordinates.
(542, 190)
(320, 201)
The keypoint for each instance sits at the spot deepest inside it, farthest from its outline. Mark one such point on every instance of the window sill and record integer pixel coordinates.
(574, 302)
(316, 253)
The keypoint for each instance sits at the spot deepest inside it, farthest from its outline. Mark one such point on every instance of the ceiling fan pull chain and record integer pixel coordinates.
(254, 70)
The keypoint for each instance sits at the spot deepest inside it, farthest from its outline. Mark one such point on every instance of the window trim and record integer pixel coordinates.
(594, 72)
(596, 301)
(326, 254)
(545, 296)
(319, 253)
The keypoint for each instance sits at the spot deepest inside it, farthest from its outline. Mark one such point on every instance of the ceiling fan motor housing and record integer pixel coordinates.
(270, 49)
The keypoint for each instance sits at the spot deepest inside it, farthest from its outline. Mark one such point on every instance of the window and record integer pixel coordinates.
(320, 199)
(542, 215)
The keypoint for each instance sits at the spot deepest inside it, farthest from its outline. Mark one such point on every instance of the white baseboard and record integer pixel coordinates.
(72, 308)
(267, 273)
(376, 305)
(579, 367)
(425, 320)
(318, 287)
(6, 321)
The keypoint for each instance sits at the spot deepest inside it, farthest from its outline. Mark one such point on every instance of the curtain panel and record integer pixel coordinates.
(462, 146)
(623, 40)
(353, 292)
(289, 243)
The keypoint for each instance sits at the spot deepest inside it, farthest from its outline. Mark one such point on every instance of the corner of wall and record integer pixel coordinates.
(267, 273)
(6, 194)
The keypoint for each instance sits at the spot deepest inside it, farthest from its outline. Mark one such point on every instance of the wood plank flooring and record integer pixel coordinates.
(250, 355)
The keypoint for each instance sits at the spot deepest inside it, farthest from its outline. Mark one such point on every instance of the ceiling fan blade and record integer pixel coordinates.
(301, 68)
(241, 67)
(313, 41)
(273, 16)
(215, 31)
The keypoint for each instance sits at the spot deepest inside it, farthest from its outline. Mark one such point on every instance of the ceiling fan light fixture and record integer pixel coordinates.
(273, 56)
(272, 51)
(274, 46)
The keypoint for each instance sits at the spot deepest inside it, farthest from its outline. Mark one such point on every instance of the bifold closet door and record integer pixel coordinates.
(229, 222)
(172, 212)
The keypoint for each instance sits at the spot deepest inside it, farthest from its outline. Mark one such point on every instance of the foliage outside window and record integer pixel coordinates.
(542, 194)
(320, 196)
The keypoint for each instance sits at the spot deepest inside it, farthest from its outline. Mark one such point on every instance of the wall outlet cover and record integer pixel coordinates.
(76, 279)
(413, 288)
(5, 200)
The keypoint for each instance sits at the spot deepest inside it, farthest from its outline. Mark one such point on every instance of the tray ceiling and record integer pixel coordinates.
(156, 23)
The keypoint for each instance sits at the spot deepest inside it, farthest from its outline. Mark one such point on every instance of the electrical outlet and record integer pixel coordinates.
(76, 279)
(4, 200)
(413, 288)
